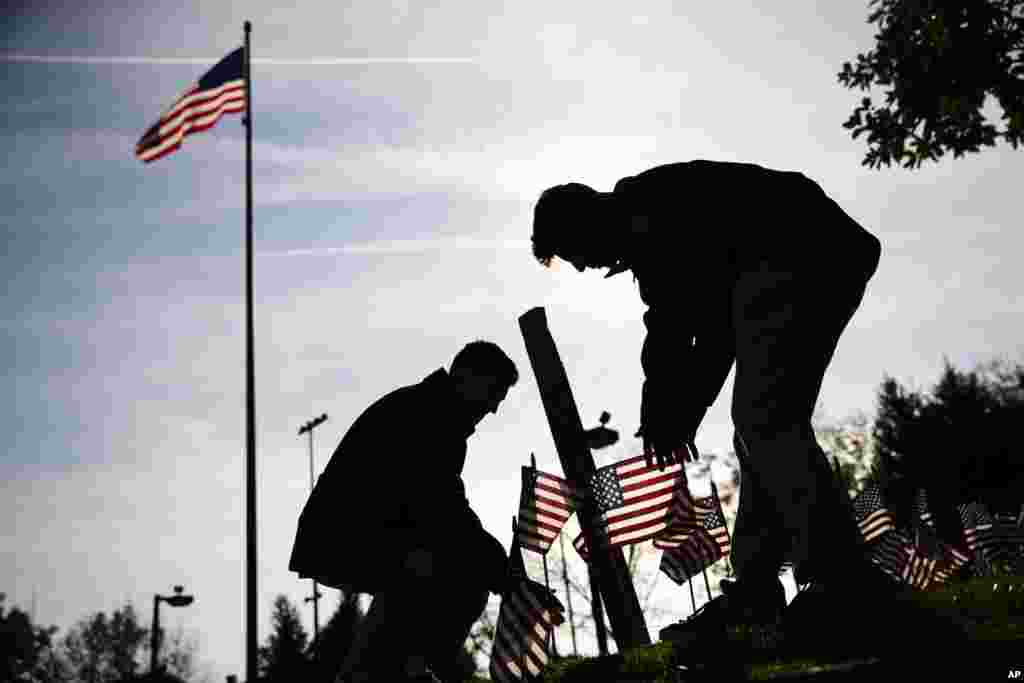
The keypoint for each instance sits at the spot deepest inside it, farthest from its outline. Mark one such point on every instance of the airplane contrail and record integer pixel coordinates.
(264, 61)
(408, 246)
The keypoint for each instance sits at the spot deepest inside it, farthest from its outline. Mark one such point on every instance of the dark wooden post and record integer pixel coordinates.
(608, 564)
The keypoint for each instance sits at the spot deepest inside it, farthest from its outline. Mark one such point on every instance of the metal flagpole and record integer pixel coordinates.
(693, 601)
(707, 584)
(568, 594)
(250, 403)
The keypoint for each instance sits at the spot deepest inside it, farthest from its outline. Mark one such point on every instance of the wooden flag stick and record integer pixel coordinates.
(607, 565)
(693, 600)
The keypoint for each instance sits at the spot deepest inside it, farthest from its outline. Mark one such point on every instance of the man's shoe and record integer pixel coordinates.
(746, 617)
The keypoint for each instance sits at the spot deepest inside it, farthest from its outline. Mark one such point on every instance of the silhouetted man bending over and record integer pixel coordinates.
(735, 263)
(389, 516)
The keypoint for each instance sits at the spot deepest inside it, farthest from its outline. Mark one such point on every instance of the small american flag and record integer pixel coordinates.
(545, 503)
(917, 558)
(702, 547)
(979, 529)
(919, 569)
(891, 552)
(219, 91)
(953, 559)
(990, 536)
(872, 517)
(689, 515)
(528, 613)
(633, 501)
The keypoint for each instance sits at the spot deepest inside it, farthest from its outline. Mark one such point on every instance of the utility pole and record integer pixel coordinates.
(176, 600)
(315, 598)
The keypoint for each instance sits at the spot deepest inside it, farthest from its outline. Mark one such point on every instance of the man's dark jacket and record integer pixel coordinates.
(393, 484)
(709, 223)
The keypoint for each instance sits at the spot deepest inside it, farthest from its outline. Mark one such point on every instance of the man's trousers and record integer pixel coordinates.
(788, 316)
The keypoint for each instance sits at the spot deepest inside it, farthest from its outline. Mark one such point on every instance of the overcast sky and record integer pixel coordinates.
(398, 151)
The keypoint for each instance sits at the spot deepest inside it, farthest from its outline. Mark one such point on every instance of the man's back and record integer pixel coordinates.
(394, 473)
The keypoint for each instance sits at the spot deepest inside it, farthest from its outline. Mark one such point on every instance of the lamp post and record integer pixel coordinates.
(315, 598)
(176, 600)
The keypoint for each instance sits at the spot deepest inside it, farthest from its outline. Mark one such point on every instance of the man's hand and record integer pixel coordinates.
(666, 452)
(668, 426)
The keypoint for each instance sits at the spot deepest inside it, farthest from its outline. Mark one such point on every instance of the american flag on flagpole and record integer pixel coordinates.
(633, 501)
(978, 527)
(890, 553)
(528, 613)
(219, 91)
(953, 559)
(898, 555)
(917, 558)
(701, 548)
(689, 515)
(545, 503)
(869, 511)
(919, 569)
(986, 535)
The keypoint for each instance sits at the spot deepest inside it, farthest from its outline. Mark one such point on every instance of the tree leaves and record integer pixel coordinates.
(941, 63)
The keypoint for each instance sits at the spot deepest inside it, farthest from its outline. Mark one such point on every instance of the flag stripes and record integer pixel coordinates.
(702, 546)
(688, 516)
(220, 91)
(545, 503)
(527, 615)
(633, 500)
(869, 511)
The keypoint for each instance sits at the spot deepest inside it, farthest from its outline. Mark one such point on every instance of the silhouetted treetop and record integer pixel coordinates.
(939, 61)
(959, 441)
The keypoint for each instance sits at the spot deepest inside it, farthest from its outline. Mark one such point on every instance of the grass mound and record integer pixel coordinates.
(992, 609)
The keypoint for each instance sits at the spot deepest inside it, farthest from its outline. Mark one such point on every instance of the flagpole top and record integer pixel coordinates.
(247, 26)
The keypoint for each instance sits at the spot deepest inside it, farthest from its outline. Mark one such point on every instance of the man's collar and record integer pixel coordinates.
(439, 378)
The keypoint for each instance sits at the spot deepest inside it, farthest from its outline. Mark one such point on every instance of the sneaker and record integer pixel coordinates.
(745, 617)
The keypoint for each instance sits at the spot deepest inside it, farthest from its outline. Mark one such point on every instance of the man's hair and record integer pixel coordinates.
(486, 358)
(557, 217)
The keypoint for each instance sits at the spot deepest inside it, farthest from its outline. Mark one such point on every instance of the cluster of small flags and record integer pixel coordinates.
(915, 556)
(632, 501)
(628, 502)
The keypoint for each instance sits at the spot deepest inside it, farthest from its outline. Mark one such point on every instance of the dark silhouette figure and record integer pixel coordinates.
(389, 517)
(736, 263)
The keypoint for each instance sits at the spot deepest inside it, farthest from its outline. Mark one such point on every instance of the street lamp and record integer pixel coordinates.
(176, 600)
(315, 598)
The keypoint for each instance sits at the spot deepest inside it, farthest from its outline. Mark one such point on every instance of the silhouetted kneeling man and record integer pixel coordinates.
(389, 516)
(736, 263)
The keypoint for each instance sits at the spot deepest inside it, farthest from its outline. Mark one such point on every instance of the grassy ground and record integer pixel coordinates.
(991, 609)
